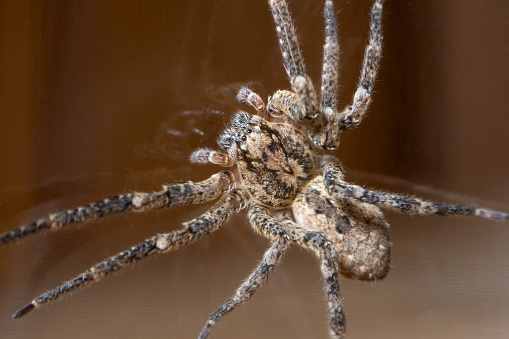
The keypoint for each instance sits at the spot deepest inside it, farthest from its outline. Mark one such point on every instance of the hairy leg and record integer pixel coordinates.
(353, 114)
(339, 189)
(272, 228)
(204, 156)
(173, 195)
(248, 97)
(330, 67)
(270, 259)
(193, 230)
(409, 204)
(292, 58)
(330, 274)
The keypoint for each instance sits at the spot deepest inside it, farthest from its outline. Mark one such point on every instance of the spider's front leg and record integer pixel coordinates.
(294, 62)
(248, 97)
(171, 195)
(352, 115)
(193, 230)
(330, 75)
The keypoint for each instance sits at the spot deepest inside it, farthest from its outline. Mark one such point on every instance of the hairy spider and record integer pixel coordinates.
(294, 193)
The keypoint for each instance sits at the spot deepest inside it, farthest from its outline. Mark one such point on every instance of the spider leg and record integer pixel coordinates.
(352, 115)
(340, 189)
(316, 241)
(330, 275)
(270, 259)
(248, 97)
(193, 230)
(410, 204)
(330, 67)
(292, 58)
(203, 156)
(173, 195)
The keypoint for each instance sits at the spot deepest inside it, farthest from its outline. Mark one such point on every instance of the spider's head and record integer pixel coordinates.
(274, 160)
(238, 134)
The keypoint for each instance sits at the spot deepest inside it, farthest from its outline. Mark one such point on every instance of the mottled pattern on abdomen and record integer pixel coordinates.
(359, 230)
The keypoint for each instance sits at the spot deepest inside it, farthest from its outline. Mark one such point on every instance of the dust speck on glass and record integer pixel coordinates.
(278, 170)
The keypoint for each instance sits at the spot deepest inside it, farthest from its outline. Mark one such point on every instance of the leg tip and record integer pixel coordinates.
(23, 311)
(484, 213)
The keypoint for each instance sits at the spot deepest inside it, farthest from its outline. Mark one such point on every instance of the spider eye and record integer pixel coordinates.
(249, 130)
(243, 138)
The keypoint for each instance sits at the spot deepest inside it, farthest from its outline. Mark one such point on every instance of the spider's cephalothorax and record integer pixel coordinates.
(276, 169)
(274, 160)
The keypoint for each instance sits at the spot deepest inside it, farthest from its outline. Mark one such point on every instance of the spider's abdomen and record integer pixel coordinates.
(275, 161)
(358, 230)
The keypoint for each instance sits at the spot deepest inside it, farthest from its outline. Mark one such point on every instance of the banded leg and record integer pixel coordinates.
(248, 97)
(272, 228)
(204, 156)
(193, 230)
(408, 204)
(330, 274)
(330, 67)
(292, 58)
(352, 115)
(270, 259)
(173, 195)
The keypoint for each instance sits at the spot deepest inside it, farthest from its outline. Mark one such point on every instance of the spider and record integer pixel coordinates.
(278, 170)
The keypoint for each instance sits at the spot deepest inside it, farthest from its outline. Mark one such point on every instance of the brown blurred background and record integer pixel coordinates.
(103, 97)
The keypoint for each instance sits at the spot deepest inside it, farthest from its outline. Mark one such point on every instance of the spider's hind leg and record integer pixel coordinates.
(270, 259)
(317, 242)
(409, 204)
(341, 190)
